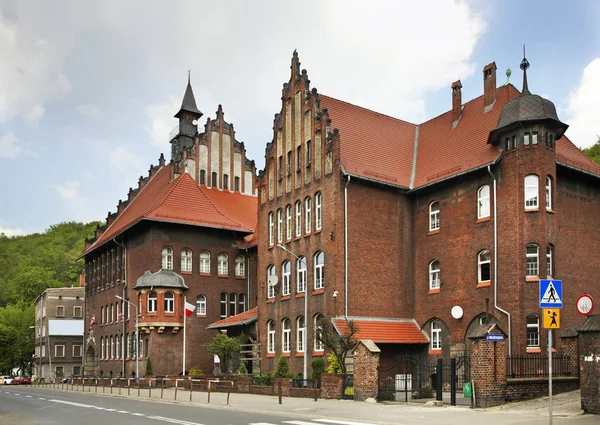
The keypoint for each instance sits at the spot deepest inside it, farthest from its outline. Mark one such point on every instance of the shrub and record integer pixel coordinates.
(318, 367)
(149, 367)
(242, 371)
(195, 371)
(283, 368)
(334, 364)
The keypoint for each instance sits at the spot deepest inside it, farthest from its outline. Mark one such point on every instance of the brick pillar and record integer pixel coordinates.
(569, 348)
(331, 385)
(488, 366)
(242, 384)
(589, 347)
(286, 384)
(366, 362)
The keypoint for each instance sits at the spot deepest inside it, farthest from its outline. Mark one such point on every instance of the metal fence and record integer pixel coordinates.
(304, 383)
(536, 366)
(263, 380)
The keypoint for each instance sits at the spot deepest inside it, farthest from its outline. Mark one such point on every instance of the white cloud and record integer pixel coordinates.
(582, 110)
(162, 121)
(11, 232)
(79, 208)
(68, 190)
(88, 110)
(8, 146)
(125, 163)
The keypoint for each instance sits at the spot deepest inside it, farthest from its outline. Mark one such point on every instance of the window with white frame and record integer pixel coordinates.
(270, 288)
(318, 344)
(301, 275)
(434, 216)
(223, 305)
(298, 219)
(548, 192)
(232, 304)
(532, 267)
(118, 346)
(201, 305)
(169, 302)
(436, 335)
(270, 336)
(319, 271)
(483, 201)
(101, 315)
(434, 275)
(242, 303)
(484, 266)
(101, 348)
(549, 258)
(286, 271)
(271, 229)
(318, 211)
(279, 225)
(286, 333)
(112, 347)
(307, 215)
(288, 222)
(118, 316)
(240, 266)
(152, 302)
(300, 332)
(167, 258)
(205, 262)
(59, 350)
(186, 260)
(533, 331)
(531, 192)
(222, 264)
(76, 350)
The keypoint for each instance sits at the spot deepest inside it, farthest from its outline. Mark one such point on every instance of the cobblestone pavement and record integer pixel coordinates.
(565, 404)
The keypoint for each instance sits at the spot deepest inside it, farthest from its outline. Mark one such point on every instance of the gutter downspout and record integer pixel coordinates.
(346, 247)
(496, 306)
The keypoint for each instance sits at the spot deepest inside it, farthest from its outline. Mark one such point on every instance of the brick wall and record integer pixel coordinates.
(332, 385)
(590, 371)
(366, 378)
(526, 389)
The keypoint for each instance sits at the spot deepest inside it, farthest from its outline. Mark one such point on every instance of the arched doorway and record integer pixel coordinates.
(91, 363)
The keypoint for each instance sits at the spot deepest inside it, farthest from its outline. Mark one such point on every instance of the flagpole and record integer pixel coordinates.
(184, 326)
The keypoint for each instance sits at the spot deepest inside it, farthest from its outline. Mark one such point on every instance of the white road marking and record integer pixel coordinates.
(335, 421)
(17, 394)
(138, 414)
(28, 396)
(300, 423)
(111, 410)
(72, 403)
(174, 421)
(261, 423)
(122, 411)
(41, 398)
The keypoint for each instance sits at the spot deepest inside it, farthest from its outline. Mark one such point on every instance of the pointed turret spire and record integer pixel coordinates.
(524, 65)
(189, 102)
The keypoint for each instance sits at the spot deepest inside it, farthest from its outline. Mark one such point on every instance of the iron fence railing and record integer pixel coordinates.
(304, 383)
(263, 380)
(536, 366)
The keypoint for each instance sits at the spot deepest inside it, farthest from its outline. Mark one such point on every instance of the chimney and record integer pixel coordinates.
(489, 84)
(456, 100)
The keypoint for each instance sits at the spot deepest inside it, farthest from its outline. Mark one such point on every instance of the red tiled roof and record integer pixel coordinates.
(183, 201)
(385, 331)
(567, 153)
(237, 320)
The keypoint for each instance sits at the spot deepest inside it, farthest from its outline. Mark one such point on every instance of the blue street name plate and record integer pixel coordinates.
(494, 337)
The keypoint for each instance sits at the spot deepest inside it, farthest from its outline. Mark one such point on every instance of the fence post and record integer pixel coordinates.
(150, 388)
(138, 385)
(191, 389)
(279, 390)
(176, 382)
(453, 382)
(229, 392)
(438, 379)
(315, 389)
(209, 391)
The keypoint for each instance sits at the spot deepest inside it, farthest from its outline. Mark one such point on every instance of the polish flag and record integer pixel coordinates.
(189, 309)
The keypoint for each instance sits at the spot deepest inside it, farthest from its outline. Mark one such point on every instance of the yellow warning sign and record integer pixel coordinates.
(551, 318)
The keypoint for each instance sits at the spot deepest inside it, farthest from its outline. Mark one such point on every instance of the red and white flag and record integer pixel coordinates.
(189, 309)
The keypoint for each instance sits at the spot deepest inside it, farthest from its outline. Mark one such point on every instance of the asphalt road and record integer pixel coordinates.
(31, 406)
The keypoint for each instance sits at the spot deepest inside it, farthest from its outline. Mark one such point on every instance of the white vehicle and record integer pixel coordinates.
(6, 380)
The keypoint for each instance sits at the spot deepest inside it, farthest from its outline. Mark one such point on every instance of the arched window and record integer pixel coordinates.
(201, 305)
(232, 304)
(186, 260)
(225, 181)
(223, 264)
(118, 348)
(548, 193)
(532, 264)
(112, 313)
(286, 271)
(112, 347)
(279, 225)
(270, 336)
(286, 333)
(288, 222)
(318, 211)
(213, 179)
(436, 335)
(483, 201)
(319, 272)
(434, 275)
(271, 229)
(531, 192)
(298, 219)
(126, 346)
(483, 266)
(319, 346)
(107, 341)
(301, 275)
(205, 262)
(434, 216)
(101, 315)
(101, 347)
(240, 266)
(308, 154)
(533, 331)
(223, 305)
(549, 261)
(270, 287)
(300, 334)
(167, 258)
(169, 302)
(242, 303)
(139, 309)
(307, 215)
(151, 302)
(236, 184)
(202, 176)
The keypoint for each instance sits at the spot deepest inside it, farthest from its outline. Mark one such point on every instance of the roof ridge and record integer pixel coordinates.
(367, 109)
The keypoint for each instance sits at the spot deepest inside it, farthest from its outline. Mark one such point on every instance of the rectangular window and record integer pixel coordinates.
(298, 219)
(307, 215)
(534, 138)
(288, 222)
(270, 337)
(76, 370)
(76, 350)
(526, 139)
(532, 260)
(318, 211)
(301, 278)
(279, 226)
(288, 163)
(280, 169)
(59, 350)
(298, 159)
(533, 331)
(308, 154)
(223, 305)
(77, 311)
(549, 261)
(271, 229)
(232, 304)
(60, 311)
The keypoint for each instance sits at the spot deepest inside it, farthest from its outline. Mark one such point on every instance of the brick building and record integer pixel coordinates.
(183, 233)
(58, 333)
(415, 231)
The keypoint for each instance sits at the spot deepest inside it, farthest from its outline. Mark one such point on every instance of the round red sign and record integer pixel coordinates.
(585, 304)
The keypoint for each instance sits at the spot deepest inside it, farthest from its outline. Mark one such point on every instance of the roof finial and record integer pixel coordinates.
(188, 76)
(524, 65)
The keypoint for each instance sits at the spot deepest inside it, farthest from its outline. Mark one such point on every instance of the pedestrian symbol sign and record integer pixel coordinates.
(551, 295)
(551, 318)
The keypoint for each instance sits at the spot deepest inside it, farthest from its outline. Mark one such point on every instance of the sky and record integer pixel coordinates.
(88, 90)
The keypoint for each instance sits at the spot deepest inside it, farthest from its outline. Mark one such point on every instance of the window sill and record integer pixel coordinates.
(549, 210)
(223, 276)
(483, 219)
(318, 353)
(285, 298)
(299, 354)
(201, 316)
(484, 284)
(532, 279)
(318, 231)
(270, 355)
(434, 291)
(533, 350)
(186, 272)
(288, 354)
(435, 352)
(318, 291)
(270, 300)
(306, 235)
(271, 246)
(433, 232)
(205, 274)
(297, 238)
(532, 210)
(300, 295)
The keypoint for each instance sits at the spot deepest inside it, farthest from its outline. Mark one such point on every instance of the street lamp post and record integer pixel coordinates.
(304, 342)
(137, 338)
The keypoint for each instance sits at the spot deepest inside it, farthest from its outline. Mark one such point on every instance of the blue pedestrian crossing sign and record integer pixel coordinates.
(551, 294)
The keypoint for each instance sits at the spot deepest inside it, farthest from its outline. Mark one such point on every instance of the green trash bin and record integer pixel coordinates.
(467, 390)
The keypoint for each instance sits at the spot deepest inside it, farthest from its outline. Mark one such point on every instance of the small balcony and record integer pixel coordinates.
(183, 129)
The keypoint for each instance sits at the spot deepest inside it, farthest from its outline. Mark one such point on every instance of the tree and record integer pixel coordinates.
(149, 371)
(224, 347)
(282, 370)
(16, 337)
(593, 152)
(339, 344)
